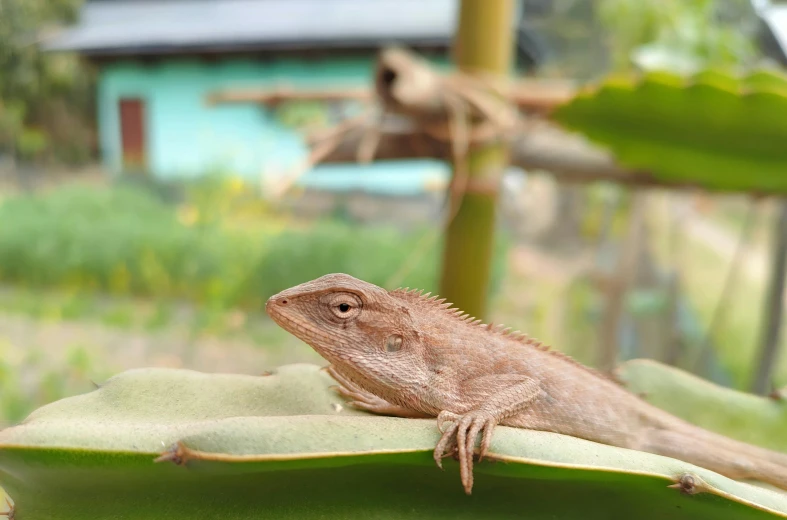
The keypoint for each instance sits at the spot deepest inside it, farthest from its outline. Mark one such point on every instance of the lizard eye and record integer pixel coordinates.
(345, 305)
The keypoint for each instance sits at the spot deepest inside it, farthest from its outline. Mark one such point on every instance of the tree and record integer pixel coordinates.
(679, 35)
(45, 99)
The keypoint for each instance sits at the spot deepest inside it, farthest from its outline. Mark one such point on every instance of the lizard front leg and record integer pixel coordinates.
(363, 400)
(501, 396)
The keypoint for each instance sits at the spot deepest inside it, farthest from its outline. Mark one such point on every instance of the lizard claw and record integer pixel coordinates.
(352, 392)
(446, 447)
(446, 416)
(462, 435)
(360, 399)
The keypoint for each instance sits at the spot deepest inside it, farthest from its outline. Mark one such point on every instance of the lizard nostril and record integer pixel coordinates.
(283, 302)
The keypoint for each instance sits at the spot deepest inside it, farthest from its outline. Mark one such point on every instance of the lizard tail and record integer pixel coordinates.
(728, 457)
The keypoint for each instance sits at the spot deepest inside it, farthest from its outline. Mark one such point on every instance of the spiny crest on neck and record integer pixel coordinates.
(427, 301)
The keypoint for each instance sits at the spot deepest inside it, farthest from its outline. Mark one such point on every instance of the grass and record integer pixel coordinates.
(30, 377)
(125, 241)
(568, 317)
(135, 315)
(704, 272)
(737, 337)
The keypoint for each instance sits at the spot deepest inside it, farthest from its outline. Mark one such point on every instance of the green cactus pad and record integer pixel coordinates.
(713, 129)
(286, 446)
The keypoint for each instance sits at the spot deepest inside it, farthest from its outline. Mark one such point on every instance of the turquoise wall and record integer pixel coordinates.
(187, 137)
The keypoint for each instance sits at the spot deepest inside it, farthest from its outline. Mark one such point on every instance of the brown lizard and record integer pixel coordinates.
(407, 354)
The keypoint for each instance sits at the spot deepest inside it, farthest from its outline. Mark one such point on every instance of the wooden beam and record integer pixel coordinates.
(547, 149)
(541, 96)
(534, 96)
(282, 94)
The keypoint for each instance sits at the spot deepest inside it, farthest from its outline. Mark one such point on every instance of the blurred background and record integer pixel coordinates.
(159, 180)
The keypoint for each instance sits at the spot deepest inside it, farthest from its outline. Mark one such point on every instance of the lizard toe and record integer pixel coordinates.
(465, 454)
(486, 440)
(446, 446)
(474, 430)
(349, 394)
(464, 431)
(343, 381)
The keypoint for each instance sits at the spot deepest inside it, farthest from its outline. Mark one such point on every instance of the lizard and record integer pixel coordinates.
(404, 353)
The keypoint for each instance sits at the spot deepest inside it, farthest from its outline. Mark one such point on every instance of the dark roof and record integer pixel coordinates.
(774, 37)
(156, 26)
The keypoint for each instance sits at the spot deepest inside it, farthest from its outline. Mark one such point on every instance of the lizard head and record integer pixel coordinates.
(355, 325)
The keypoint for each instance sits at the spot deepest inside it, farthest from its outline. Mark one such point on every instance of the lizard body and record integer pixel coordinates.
(406, 354)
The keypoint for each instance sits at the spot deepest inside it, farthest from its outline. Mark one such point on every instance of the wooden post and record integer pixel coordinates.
(774, 306)
(618, 284)
(483, 43)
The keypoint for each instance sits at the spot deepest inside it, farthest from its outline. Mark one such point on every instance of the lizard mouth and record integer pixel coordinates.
(276, 307)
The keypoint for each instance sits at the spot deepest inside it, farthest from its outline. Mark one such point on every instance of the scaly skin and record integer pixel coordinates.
(405, 354)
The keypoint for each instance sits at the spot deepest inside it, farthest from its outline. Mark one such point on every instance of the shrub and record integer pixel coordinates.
(126, 240)
(121, 240)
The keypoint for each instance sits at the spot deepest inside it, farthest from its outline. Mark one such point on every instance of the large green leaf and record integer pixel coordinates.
(750, 418)
(713, 129)
(283, 446)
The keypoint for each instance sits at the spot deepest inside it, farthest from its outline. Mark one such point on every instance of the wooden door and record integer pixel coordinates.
(132, 133)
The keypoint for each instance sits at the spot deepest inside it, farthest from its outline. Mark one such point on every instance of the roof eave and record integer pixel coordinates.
(230, 47)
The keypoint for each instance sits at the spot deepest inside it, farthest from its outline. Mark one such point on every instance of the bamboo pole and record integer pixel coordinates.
(483, 44)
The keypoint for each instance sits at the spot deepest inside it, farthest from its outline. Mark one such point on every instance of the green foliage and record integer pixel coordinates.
(284, 446)
(372, 255)
(749, 418)
(45, 99)
(121, 241)
(306, 254)
(303, 115)
(30, 143)
(679, 35)
(222, 252)
(713, 130)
